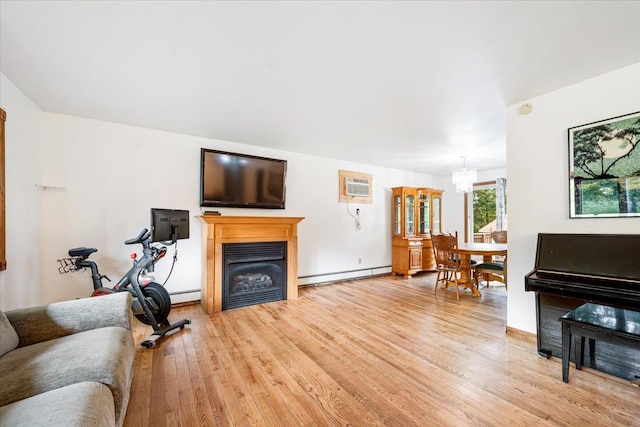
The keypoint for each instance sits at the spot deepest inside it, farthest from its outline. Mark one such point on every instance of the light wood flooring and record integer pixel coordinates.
(366, 352)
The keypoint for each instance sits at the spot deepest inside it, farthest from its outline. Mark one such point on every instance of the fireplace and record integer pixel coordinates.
(219, 230)
(253, 273)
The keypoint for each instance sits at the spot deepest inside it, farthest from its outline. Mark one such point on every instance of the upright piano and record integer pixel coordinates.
(571, 269)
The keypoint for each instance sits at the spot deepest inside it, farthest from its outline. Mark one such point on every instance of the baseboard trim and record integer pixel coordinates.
(520, 333)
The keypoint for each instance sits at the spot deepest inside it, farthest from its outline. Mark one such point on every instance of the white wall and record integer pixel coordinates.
(21, 284)
(110, 175)
(537, 158)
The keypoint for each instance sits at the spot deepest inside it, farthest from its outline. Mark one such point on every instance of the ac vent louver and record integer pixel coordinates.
(358, 187)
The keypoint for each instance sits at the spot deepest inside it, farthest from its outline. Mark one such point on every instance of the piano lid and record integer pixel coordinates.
(615, 256)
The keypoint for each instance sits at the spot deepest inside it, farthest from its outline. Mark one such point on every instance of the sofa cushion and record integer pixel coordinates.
(81, 404)
(8, 336)
(37, 324)
(102, 355)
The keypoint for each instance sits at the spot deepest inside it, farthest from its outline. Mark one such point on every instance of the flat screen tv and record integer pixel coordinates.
(241, 181)
(169, 225)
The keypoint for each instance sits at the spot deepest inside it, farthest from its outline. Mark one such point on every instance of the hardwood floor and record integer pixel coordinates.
(368, 352)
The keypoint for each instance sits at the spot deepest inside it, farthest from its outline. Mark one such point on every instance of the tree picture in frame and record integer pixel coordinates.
(604, 163)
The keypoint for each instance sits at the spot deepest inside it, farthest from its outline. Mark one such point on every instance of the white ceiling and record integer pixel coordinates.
(407, 85)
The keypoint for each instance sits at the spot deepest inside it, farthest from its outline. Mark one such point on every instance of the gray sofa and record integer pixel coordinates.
(67, 364)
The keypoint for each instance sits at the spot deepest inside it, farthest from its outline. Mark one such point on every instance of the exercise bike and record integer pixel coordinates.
(151, 301)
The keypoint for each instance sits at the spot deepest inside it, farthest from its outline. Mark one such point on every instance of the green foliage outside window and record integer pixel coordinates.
(484, 208)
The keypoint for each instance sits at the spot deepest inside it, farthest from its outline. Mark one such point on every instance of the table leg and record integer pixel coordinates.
(465, 274)
(592, 352)
(566, 350)
(580, 354)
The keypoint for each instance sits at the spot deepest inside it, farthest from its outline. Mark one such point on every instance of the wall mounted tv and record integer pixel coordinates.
(241, 181)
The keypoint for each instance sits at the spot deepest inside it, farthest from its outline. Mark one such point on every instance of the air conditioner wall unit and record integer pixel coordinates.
(357, 187)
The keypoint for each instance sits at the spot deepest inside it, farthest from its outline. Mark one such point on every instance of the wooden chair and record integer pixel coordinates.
(445, 247)
(497, 268)
(499, 236)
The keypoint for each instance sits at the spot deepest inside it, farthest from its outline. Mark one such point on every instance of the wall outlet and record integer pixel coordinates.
(359, 260)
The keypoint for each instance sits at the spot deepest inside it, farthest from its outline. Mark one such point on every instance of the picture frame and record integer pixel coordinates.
(604, 168)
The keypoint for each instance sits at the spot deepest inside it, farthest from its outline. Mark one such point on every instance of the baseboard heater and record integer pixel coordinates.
(317, 279)
(185, 296)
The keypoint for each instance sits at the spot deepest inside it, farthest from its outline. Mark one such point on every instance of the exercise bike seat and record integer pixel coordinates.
(82, 252)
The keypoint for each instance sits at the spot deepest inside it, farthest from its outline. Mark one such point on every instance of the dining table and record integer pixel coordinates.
(487, 251)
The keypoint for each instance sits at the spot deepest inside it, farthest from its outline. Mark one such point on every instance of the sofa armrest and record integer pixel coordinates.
(56, 320)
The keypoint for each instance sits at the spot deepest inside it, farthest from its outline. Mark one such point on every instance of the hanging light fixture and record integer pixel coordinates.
(464, 178)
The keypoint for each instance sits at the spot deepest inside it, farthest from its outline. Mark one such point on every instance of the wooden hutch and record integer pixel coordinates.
(415, 212)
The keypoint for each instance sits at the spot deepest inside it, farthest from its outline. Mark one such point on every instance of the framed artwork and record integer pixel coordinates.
(604, 168)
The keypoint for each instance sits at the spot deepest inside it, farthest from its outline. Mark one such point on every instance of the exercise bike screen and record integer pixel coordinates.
(169, 225)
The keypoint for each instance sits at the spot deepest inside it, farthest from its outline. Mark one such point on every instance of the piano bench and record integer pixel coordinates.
(597, 322)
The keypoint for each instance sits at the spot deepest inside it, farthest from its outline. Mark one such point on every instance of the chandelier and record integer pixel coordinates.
(464, 178)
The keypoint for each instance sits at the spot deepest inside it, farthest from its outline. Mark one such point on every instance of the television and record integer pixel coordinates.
(241, 181)
(169, 225)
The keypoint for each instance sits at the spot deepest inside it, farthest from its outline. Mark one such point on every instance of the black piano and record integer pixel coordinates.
(571, 269)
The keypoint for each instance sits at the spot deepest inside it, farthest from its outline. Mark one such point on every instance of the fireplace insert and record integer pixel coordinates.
(253, 273)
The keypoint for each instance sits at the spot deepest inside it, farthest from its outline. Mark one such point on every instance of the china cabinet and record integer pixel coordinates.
(415, 213)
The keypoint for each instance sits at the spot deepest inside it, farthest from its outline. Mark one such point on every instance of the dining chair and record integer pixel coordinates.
(497, 268)
(499, 236)
(445, 247)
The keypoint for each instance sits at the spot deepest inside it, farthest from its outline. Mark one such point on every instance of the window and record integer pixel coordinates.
(485, 210)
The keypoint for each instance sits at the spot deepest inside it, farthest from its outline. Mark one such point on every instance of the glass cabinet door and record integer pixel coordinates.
(423, 213)
(397, 215)
(409, 212)
(436, 215)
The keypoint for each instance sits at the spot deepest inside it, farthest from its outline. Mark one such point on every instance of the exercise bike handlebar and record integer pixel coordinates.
(144, 235)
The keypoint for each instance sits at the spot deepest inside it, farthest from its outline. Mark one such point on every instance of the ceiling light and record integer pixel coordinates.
(464, 178)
